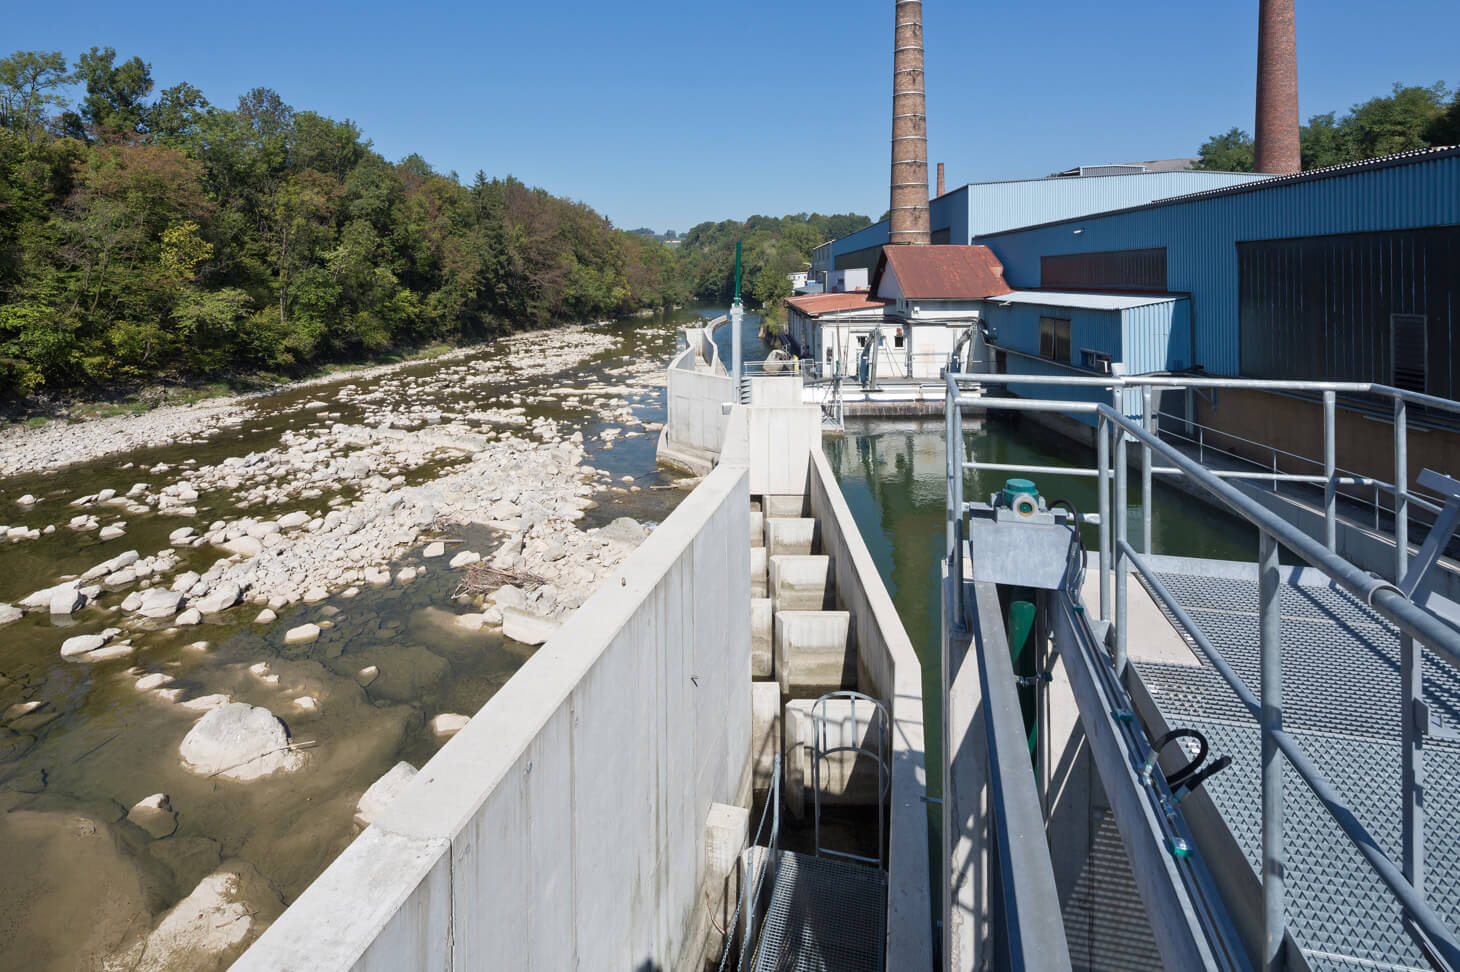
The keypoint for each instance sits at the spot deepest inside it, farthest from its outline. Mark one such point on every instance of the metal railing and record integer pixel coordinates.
(1417, 626)
(877, 722)
(748, 899)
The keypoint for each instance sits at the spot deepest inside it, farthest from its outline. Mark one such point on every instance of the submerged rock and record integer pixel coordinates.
(302, 635)
(155, 815)
(239, 741)
(448, 724)
(213, 925)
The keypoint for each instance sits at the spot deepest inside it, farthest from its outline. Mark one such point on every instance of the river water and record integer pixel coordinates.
(78, 877)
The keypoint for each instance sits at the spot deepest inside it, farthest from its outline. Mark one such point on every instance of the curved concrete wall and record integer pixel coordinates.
(564, 827)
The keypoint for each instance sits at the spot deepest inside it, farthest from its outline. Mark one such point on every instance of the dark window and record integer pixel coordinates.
(897, 339)
(1407, 337)
(1108, 270)
(861, 340)
(1054, 339)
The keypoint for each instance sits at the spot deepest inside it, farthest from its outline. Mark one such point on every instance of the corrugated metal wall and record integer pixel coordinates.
(1152, 337)
(1320, 307)
(987, 207)
(1201, 235)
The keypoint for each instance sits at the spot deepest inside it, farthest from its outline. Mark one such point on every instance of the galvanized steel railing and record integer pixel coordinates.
(1416, 624)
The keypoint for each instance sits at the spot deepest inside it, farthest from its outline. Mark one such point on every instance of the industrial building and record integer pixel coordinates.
(981, 208)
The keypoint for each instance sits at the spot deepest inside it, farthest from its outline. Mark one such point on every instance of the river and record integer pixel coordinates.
(81, 744)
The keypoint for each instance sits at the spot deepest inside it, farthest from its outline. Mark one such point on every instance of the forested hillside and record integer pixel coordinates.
(144, 237)
(771, 249)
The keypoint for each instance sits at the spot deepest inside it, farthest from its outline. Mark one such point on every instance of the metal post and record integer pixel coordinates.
(1330, 523)
(955, 420)
(1102, 449)
(1273, 919)
(1411, 677)
(1122, 519)
(1150, 417)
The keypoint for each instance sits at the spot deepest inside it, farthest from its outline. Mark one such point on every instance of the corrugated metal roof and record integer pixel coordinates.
(1065, 298)
(942, 272)
(1260, 184)
(813, 305)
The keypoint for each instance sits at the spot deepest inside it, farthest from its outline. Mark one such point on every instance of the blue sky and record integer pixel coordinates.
(666, 113)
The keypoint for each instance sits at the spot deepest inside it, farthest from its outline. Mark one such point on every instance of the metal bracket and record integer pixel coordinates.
(1415, 579)
(1433, 724)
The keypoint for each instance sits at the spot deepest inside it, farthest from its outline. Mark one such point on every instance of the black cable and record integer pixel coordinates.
(1173, 780)
(1197, 779)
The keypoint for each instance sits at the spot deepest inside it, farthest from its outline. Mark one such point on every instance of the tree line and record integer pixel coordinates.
(1410, 117)
(153, 236)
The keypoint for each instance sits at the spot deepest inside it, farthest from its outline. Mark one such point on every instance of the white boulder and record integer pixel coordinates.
(239, 741)
(302, 635)
(382, 791)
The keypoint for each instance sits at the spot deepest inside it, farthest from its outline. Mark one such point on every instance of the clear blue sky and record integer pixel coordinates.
(665, 114)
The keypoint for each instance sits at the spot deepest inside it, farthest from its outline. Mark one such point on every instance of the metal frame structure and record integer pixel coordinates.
(1117, 557)
(821, 751)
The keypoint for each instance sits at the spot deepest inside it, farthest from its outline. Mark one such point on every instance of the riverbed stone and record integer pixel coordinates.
(266, 616)
(155, 815)
(160, 603)
(220, 598)
(291, 521)
(243, 546)
(527, 628)
(382, 792)
(81, 644)
(112, 532)
(465, 558)
(434, 549)
(213, 925)
(239, 741)
(66, 598)
(190, 617)
(302, 635)
(448, 724)
(10, 614)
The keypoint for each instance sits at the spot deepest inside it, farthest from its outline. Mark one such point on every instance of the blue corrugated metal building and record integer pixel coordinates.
(1348, 272)
(989, 207)
(1052, 333)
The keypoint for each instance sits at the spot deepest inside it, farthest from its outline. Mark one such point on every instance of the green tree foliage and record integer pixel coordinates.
(1409, 117)
(1229, 152)
(147, 238)
(771, 248)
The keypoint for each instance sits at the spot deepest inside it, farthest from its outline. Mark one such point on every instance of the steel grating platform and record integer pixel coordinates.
(824, 915)
(1341, 704)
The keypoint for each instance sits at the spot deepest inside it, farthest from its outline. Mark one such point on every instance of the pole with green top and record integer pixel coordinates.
(737, 315)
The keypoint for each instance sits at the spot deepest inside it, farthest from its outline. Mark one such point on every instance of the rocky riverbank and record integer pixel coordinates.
(256, 609)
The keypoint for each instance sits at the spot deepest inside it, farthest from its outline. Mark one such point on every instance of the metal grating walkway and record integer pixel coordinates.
(1341, 703)
(824, 915)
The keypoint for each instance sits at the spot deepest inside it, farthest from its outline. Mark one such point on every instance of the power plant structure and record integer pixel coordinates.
(909, 202)
(1276, 148)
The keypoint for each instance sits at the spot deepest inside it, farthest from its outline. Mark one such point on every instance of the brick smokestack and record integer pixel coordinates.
(1277, 149)
(940, 181)
(909, 208)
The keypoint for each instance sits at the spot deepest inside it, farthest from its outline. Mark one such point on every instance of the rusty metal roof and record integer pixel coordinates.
(942, 272)
(814, 305)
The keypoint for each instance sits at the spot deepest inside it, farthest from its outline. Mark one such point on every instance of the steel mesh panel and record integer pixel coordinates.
(1341, 704)
(824, 915)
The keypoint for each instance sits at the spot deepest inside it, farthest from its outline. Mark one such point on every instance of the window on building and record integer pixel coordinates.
(861, 340)
(897, 339)
(1054, 339)
(828, 355)
(1407, 344)
(1096, 361)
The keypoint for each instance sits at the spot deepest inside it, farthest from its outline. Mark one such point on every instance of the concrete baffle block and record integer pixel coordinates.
(814, 652)
(789, 504)
(801, 583)
(845, 778)
(757, 572)
(790, 535)
(762, 638)
(757, 528)
(765, 732)
(727, 831)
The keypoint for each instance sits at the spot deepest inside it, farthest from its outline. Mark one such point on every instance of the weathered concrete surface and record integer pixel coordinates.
(814, 653)
(757, 572)
(765, 732)
(727, 830)
(501, 846)
(801, 583)
(790, 535)
(762, 633)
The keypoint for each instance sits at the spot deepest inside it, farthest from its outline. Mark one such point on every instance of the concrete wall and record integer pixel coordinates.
(564, 827)
(891, 670)
(776, 443)
(696, 417)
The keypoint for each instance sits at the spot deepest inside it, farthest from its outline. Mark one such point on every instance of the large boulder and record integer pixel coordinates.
(160, 603)
(213, 925)
(382, 791)
(239, 741)
(220, 598)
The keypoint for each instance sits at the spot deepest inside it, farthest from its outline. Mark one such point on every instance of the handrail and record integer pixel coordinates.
(1416, 624)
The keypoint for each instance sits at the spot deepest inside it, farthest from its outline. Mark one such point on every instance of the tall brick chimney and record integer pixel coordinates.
(909, 205)
(940, 181)
(1276, 148)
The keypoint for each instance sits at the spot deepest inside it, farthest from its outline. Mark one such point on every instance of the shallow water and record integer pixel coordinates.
(100, 744)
